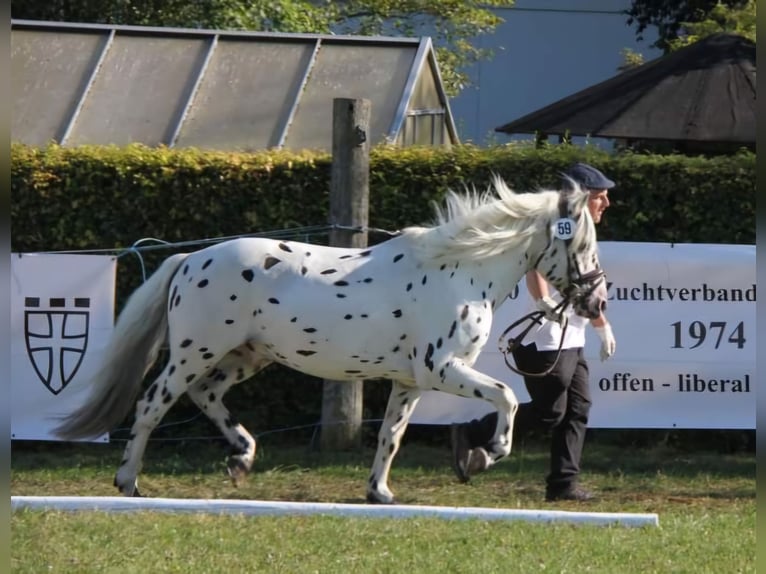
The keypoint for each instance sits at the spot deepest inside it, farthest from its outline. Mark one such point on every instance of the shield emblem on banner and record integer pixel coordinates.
(56, 339)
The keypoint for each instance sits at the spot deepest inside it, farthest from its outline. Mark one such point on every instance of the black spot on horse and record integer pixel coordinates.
(190, 378)
(207, 264)
(409, 286)
(329, 271)
(150, 393)
(270, 261)
(304, 270)
(439, 343)
(341, 283)
(274, 300)
(248, 275)
(211, 397)
(367, 280)
(428, 358)
(310, 330)
(208, 356)
(233, 298)
(348, 317)
(397, 313)
(202, 283)
(229, 321)
(464, 313)
(477, 394)
(365, 253)
(423, 281)
(306, 353)
(285, 247)
(185, 343)
(186, 269)
(452, 329)
(398, 257)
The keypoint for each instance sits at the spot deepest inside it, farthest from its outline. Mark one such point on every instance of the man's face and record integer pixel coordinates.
(598, 201)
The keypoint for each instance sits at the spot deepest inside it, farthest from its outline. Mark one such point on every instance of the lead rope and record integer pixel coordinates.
(535, 318)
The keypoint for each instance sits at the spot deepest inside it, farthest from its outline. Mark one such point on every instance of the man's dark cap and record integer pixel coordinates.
(589, 177)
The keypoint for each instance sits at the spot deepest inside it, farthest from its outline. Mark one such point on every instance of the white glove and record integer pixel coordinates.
(548, 305)
(608, 344)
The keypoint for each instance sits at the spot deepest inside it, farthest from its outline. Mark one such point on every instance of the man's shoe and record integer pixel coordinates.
(569, 493)
(461, 451)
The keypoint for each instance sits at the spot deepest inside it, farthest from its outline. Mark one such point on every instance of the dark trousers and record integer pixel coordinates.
(560, 401)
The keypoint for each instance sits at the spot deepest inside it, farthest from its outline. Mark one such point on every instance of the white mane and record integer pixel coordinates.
(482, 225)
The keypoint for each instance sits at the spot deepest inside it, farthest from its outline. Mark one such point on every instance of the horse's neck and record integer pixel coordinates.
(498, 275)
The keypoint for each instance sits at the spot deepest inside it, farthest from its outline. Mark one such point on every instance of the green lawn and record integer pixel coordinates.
(705, 502)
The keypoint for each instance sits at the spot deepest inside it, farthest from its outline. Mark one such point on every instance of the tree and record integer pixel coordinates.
(676, 20)
(681, 25)
(451, 23)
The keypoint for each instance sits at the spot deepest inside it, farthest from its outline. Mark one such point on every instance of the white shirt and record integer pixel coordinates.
(547, 336)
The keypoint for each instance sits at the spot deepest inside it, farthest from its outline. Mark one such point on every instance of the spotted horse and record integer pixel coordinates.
(416, 309)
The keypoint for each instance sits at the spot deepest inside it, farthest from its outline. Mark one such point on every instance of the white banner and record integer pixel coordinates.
(684, 319)
(62, 314)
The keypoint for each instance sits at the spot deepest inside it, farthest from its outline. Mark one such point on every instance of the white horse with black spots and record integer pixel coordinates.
(416, 309)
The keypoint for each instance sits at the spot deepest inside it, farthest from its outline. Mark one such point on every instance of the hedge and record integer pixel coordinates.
(88, 198)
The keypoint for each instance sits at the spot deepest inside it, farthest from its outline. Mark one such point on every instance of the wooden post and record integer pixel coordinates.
(349, 206)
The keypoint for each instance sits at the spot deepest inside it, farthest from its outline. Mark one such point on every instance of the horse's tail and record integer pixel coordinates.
(140, 331)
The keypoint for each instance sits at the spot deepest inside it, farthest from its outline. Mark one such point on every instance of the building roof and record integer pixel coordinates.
(107, 84)
(703, 92)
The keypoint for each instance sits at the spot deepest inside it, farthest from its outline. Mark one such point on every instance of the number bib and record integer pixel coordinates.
(564, 228)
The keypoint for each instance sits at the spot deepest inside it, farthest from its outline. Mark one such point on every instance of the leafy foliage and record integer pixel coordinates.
(451, 23)
(738, 20)
(697, 18)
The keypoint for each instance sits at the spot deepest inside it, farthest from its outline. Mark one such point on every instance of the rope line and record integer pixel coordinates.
(287, 233)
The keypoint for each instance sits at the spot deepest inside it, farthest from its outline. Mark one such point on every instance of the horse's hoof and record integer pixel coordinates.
(478, 461)
(237, 470)
(375, 499)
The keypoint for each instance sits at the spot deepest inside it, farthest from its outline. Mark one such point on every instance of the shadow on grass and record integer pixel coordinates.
(528, 456)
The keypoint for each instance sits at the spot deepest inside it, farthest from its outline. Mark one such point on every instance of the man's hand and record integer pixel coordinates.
(608, 344)
(548, 306)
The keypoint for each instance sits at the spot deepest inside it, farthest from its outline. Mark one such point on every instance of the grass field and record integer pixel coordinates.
(705, 502)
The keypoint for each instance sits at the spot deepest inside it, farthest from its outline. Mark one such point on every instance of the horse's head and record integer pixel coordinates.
(569, 260)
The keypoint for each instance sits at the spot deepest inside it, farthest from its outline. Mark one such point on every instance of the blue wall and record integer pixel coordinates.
(544, 51)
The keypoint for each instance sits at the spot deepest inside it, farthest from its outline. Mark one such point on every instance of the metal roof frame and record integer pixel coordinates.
(425, 56)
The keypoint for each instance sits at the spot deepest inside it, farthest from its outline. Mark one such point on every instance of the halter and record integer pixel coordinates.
(580, 285)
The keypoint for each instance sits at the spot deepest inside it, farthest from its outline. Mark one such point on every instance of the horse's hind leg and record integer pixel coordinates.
(150, 409)
(401, 403)
(173, 382)
(238, 365)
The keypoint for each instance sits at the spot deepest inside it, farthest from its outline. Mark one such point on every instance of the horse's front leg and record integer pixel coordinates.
(401, 403)
(459, 379)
